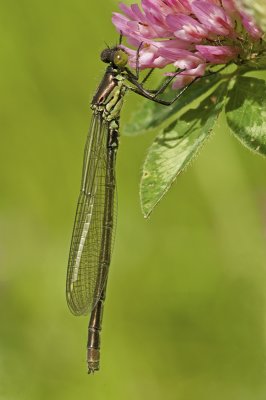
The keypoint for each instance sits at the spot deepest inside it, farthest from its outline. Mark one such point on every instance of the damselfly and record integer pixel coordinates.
(92, 237)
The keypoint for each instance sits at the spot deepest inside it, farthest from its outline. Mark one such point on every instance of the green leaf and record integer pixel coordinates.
(246, 112)
(151, 114)
(175, 147)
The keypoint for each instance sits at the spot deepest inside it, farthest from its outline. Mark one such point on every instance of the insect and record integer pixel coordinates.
(93, 232)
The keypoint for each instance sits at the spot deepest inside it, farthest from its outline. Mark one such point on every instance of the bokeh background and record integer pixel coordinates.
(185, 311)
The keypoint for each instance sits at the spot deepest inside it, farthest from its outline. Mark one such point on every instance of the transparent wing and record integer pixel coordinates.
(88, 262)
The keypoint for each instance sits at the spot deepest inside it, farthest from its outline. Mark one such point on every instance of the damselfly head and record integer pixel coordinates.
(115, 56)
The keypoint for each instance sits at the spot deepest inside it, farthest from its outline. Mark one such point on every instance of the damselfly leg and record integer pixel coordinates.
(153, 95)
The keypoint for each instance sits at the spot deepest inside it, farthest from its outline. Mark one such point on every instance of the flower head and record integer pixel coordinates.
(188, 34)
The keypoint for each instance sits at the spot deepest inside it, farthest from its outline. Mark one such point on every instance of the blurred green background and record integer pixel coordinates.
(185, 311)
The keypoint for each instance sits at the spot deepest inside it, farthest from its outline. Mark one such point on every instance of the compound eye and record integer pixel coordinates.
(120, 58)
(106, 55)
